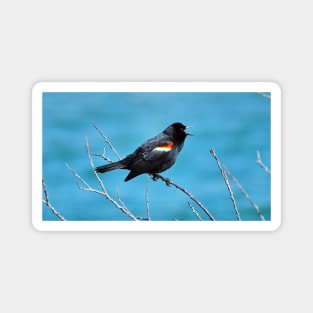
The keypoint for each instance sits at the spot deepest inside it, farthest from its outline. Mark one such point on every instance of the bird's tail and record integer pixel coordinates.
(109, 167)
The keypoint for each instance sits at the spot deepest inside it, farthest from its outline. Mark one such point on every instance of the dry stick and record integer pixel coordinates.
(119, 197)
(169, 182)
(195, 212)
(103, 156)
(259, 161)
(104, 192)
(227, 183)
(263, 94)
(245, 194)
(123, 207)
(147, 198)
(107, 141)
(48, 204)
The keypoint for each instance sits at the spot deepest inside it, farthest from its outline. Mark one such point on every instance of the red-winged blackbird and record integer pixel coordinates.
(154, 156)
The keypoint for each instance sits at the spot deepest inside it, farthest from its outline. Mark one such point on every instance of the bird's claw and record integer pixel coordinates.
(167, 182)
(154, 177)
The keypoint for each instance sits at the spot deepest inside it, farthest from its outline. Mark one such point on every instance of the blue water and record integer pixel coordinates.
(236, 125)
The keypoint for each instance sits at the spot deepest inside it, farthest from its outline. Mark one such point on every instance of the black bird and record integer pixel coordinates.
(154, 156)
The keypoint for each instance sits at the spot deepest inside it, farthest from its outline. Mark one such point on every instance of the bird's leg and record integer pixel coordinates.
(158, 176)
(155, 177)
(167, 182)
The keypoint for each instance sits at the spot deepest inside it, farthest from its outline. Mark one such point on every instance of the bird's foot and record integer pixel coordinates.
(155, 177)
(167, 182)
(158, 176)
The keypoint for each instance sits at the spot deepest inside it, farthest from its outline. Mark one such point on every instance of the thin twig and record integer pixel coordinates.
(123, 207)
(194, 211)
(147, 198)
(107, 141)
(104, 192)
(119, 198)
(169, 182)
(103, 156)
(259, 161)
(263, 94)
(227, 183)
(245, 194)
(48, 204)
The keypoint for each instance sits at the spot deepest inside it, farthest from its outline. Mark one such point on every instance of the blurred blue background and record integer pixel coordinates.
(236, 125)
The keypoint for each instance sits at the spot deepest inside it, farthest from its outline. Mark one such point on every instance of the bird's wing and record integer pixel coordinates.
(158, 152)
(148, 154)
(156, 147)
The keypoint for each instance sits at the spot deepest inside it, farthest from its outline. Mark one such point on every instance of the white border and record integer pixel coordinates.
(271, 87)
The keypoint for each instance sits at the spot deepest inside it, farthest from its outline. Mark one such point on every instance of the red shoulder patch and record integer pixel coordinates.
(167, 147)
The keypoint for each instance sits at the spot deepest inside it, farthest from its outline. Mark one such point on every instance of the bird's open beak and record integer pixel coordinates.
(189, 133)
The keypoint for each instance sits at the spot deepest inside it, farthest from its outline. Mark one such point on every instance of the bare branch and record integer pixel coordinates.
(194, 211)
(119, 198)
(263, 94)
(121, 206)
(259, 161)
(103, 156)
(245, 194)
(169, 183)
(227, 183)
(48, 204)
(147, 198)
(107, 141)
